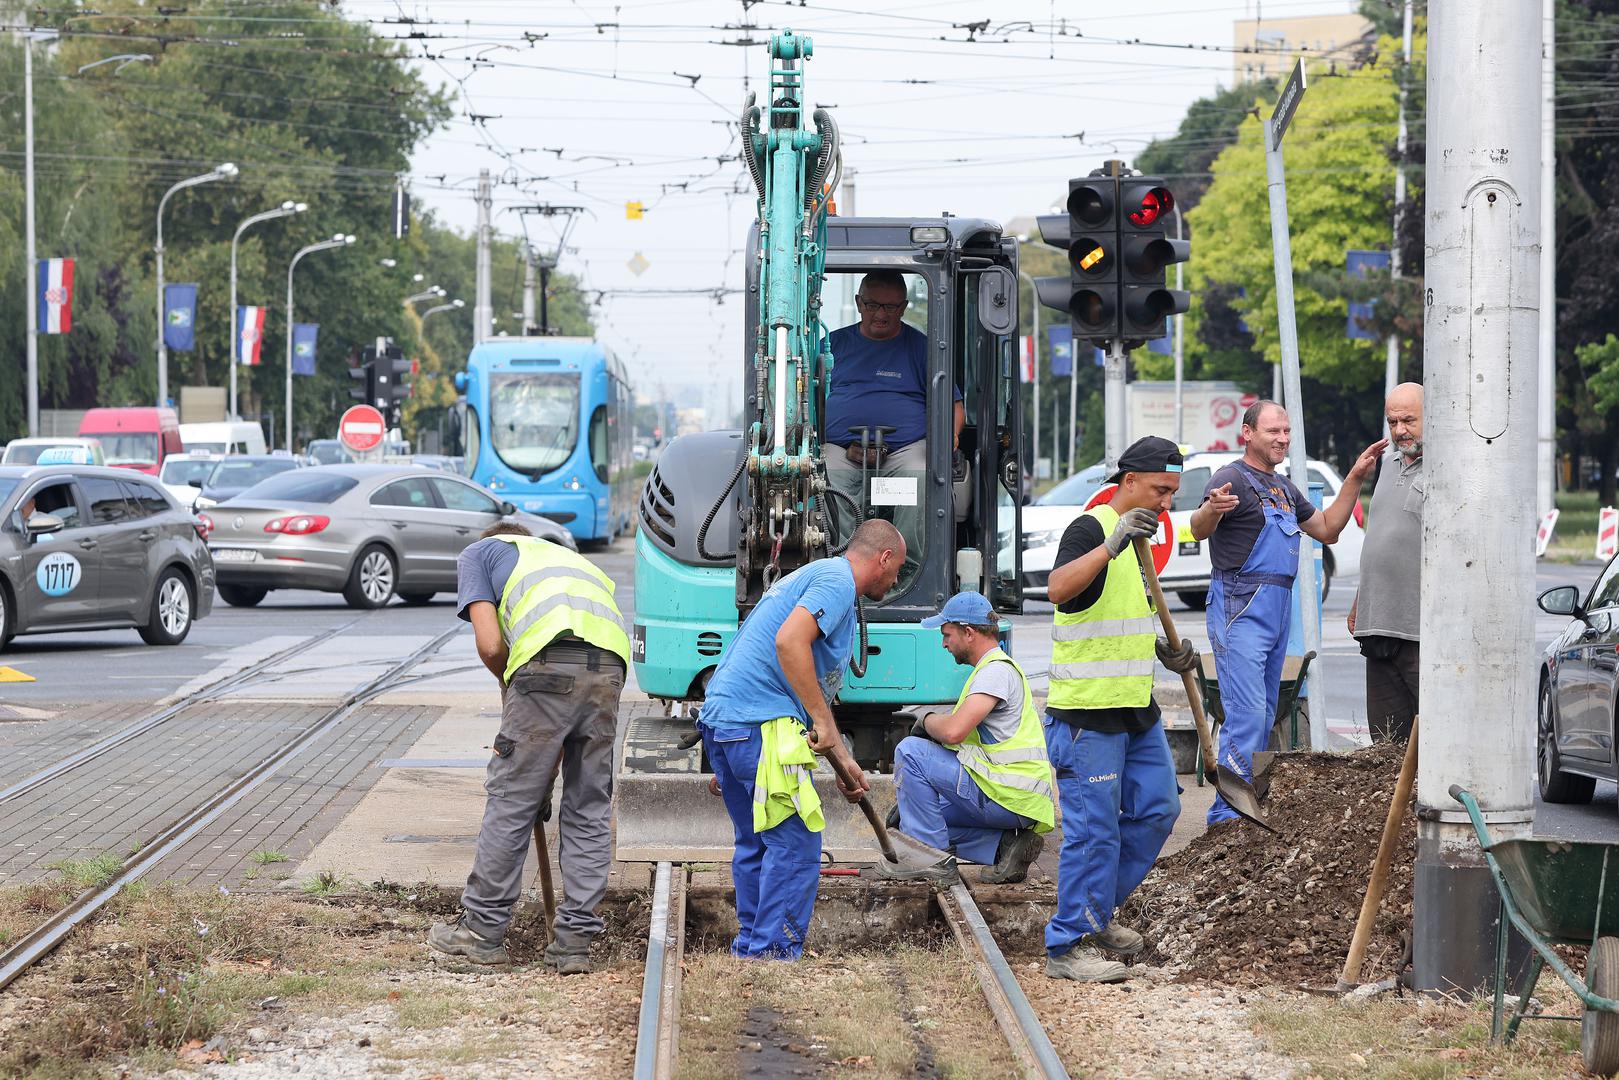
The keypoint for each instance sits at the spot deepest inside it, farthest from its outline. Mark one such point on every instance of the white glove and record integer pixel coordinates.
(1132, 523)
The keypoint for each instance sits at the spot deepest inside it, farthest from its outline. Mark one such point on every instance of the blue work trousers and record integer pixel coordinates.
(1119, 803)
(941, 805)
(776, 872)
(1250, 644)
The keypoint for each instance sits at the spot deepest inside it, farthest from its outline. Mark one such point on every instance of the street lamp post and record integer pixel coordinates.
(325, 245)
(286, 209)
(431, 293)
(220, 172)
(451, 306)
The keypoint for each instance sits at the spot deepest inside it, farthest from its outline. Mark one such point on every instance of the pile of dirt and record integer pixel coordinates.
(1249, 907)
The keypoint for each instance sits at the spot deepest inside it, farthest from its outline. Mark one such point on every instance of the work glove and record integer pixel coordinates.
(1180, 660)
(1132, 524)
(920, 727)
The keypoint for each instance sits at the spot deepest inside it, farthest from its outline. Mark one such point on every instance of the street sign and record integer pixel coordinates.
(1287, 103)
(1162, 544)
(361, 428)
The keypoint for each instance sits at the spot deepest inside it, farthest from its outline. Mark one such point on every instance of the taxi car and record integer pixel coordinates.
(88, 548)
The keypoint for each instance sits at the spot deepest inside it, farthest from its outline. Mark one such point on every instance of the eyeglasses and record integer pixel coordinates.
(886, 309)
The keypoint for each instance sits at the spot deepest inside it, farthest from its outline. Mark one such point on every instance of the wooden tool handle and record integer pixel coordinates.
(1380, 867)
(841, 768)
(1194, 699)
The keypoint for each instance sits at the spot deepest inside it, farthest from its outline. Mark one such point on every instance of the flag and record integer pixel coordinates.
(1163, 346)
(1061, 340)
(303, 348)
(180, 317)
(55, 296)
(1026, 344)
(250, 334)
(1360, 262)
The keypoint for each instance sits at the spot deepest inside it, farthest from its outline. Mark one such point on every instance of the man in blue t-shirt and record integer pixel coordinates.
(880, 377)
(786, 663)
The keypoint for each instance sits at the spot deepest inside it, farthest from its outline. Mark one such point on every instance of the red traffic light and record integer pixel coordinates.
(1155, 203)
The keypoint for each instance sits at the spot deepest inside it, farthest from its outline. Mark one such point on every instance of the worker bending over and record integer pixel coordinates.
(1103, 730)
(778, 677)
(976, 780)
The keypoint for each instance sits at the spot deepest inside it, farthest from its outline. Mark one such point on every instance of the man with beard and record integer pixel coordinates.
(1386, 614)
(976, 780)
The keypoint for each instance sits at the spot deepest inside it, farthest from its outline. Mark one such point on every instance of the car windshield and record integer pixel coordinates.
(28, 453)
(1076, 490)
(182, 471)
(329, 452)
(206, 447)
(128, 447)
(301, 485)
(534, 419)
(7, 486)
(241, 474)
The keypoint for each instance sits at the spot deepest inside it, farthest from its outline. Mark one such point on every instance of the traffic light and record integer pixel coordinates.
(390, 371)
(1089, 232)
(365, 377)
(1146, 251)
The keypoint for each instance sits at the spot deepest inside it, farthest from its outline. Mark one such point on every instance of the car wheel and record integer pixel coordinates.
(8, 617)
(1556, 786)
(371, 582)
(417, 599)
(172, 609)
(1197, 600)
(241, 595)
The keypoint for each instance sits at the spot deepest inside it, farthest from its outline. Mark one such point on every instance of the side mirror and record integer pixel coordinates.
(507, 509)
(997, 300)
(1562, 600)
(41, 524)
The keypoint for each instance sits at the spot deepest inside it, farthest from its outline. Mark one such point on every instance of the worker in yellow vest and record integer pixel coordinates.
(1103, 730)
(547, 627)
(975, 780)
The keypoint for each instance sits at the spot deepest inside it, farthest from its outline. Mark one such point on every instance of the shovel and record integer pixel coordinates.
(1350, 978)
(884, 841)
(1238, 793)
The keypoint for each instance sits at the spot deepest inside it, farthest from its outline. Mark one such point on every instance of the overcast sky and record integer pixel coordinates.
(596, 104)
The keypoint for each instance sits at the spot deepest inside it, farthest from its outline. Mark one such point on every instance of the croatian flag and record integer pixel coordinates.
(250, 334)
(1026, 355)
(55, 296)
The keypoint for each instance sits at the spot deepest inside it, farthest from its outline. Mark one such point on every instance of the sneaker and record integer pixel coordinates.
(1018, 849)
(1083, 963)
(942, 873)
(568, 959)
(1118, 940)
(454, 939)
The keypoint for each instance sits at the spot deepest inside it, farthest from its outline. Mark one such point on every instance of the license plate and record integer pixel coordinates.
(1190, 547)
(235, 555)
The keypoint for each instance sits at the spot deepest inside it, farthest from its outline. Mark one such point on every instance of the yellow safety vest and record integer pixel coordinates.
(1015, 773)
(555, 593)
(784, 783)
(1102, 657)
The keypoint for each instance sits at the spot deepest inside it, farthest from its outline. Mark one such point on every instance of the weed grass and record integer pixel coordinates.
(266, 857)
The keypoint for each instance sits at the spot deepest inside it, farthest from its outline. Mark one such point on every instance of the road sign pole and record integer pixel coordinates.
(1113, 400)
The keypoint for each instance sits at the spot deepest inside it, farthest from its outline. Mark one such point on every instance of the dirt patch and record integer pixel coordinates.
(1245, 906)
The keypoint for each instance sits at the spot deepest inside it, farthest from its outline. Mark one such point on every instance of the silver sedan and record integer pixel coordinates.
(366, 531)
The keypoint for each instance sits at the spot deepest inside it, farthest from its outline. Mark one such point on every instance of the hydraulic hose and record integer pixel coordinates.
(714, 512)
(858, 667)
(854, 509)
(828, 128)
(750, 124)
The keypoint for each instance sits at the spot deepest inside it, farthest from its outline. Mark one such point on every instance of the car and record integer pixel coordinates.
(135, 437)
(179, 470)
(1048, 517)
(327, 452)
(441, 462)
(224, 437)
(98, 549)
(28, 451)
(235, 473)
(366, 531)
(1579, 673)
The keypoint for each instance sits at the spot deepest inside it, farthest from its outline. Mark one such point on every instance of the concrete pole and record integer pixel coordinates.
(1073, 405)
(1113, 400)
(31, 256)
(1180, 343)
(1391, 374)
(483, 311)
(1546, 415)
(1477, 697)
(529, 326)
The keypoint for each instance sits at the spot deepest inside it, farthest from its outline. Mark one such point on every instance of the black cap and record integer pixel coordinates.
(1150, 454)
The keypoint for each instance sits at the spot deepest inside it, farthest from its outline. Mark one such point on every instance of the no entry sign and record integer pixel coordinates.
(361, 428)
(1161, 544)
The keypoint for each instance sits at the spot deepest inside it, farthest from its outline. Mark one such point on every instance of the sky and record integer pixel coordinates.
(593, 105)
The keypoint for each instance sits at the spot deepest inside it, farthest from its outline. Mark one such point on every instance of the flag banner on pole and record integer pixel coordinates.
(1163, 346)
(1026, 345)
(303, 348)
(180, 317)
(55, 296)
(1061, 341)
(250, 334)
(1360, 264)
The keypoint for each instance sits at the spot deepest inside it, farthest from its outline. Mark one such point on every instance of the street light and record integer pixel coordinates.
(451, 306)
(220, 172)
(431, 293)
(324, 245)
(286, 209)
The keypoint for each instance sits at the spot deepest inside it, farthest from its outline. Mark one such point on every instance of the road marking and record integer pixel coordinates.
(11, 674)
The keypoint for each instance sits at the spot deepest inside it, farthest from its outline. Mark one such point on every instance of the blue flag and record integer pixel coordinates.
(1163, 346)
(303, 348)
(180, 317)
(1061, 340)
(1360, 263)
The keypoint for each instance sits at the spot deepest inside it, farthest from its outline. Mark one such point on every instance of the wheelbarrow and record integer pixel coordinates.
(1555, 892)
(1294, 670)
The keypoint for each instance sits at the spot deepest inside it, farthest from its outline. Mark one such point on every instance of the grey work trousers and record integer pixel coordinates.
(562, 705)
(909, 461)
(1391, 688)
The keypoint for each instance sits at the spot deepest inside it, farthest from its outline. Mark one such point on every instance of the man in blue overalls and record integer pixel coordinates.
(1252, 517)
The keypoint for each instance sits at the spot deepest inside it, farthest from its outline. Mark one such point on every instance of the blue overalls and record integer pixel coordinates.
(1248, 618)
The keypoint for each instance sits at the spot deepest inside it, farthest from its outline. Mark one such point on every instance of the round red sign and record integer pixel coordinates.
(361, 428)
(1161, 545)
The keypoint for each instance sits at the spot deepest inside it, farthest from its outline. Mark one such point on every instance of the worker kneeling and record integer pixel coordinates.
(1104, 733)
(975, 780)
(778, 677)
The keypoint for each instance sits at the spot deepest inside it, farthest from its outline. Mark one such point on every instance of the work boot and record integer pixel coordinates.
(1017, 850)
(1119, 940)
(1083, 963)
(569, 959)
(455, 939)
(941, 874)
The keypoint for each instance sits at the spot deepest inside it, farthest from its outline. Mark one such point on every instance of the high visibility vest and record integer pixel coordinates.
(784, 784)
(1102, 657)
(1015, 773)
(555, 593)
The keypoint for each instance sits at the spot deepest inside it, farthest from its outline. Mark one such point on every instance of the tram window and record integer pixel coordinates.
(472, 437)
(598, 442)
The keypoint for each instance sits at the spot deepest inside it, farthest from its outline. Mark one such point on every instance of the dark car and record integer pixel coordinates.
(87, 548)
(237, 472)
(1579, 676)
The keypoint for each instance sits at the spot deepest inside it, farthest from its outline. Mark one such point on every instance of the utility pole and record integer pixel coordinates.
(1546, 414)
(1391, 374)
(31, 256)
(846, 194)
(1180, 341)
(1113, 400)
(482, 304)
(1477, 697)
(529, 326)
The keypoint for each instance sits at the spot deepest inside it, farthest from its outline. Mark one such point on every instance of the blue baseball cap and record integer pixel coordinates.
(964, 607)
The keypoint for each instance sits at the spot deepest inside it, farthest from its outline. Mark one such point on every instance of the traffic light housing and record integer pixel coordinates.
(383, 377)
(1089, 232)
(1146, 251)
(365, 378)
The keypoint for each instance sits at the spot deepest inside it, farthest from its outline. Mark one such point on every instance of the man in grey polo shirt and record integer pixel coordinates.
(1386, 615)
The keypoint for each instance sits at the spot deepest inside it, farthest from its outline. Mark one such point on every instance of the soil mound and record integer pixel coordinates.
(1245, 906)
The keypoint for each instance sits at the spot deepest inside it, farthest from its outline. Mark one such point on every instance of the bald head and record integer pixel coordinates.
(876, 553)
(1403, 411)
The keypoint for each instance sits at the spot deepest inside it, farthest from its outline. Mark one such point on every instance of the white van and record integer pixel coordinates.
(225, 437)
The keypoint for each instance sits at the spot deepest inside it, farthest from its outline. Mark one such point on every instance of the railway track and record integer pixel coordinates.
(17, 959)
(658, 1029)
